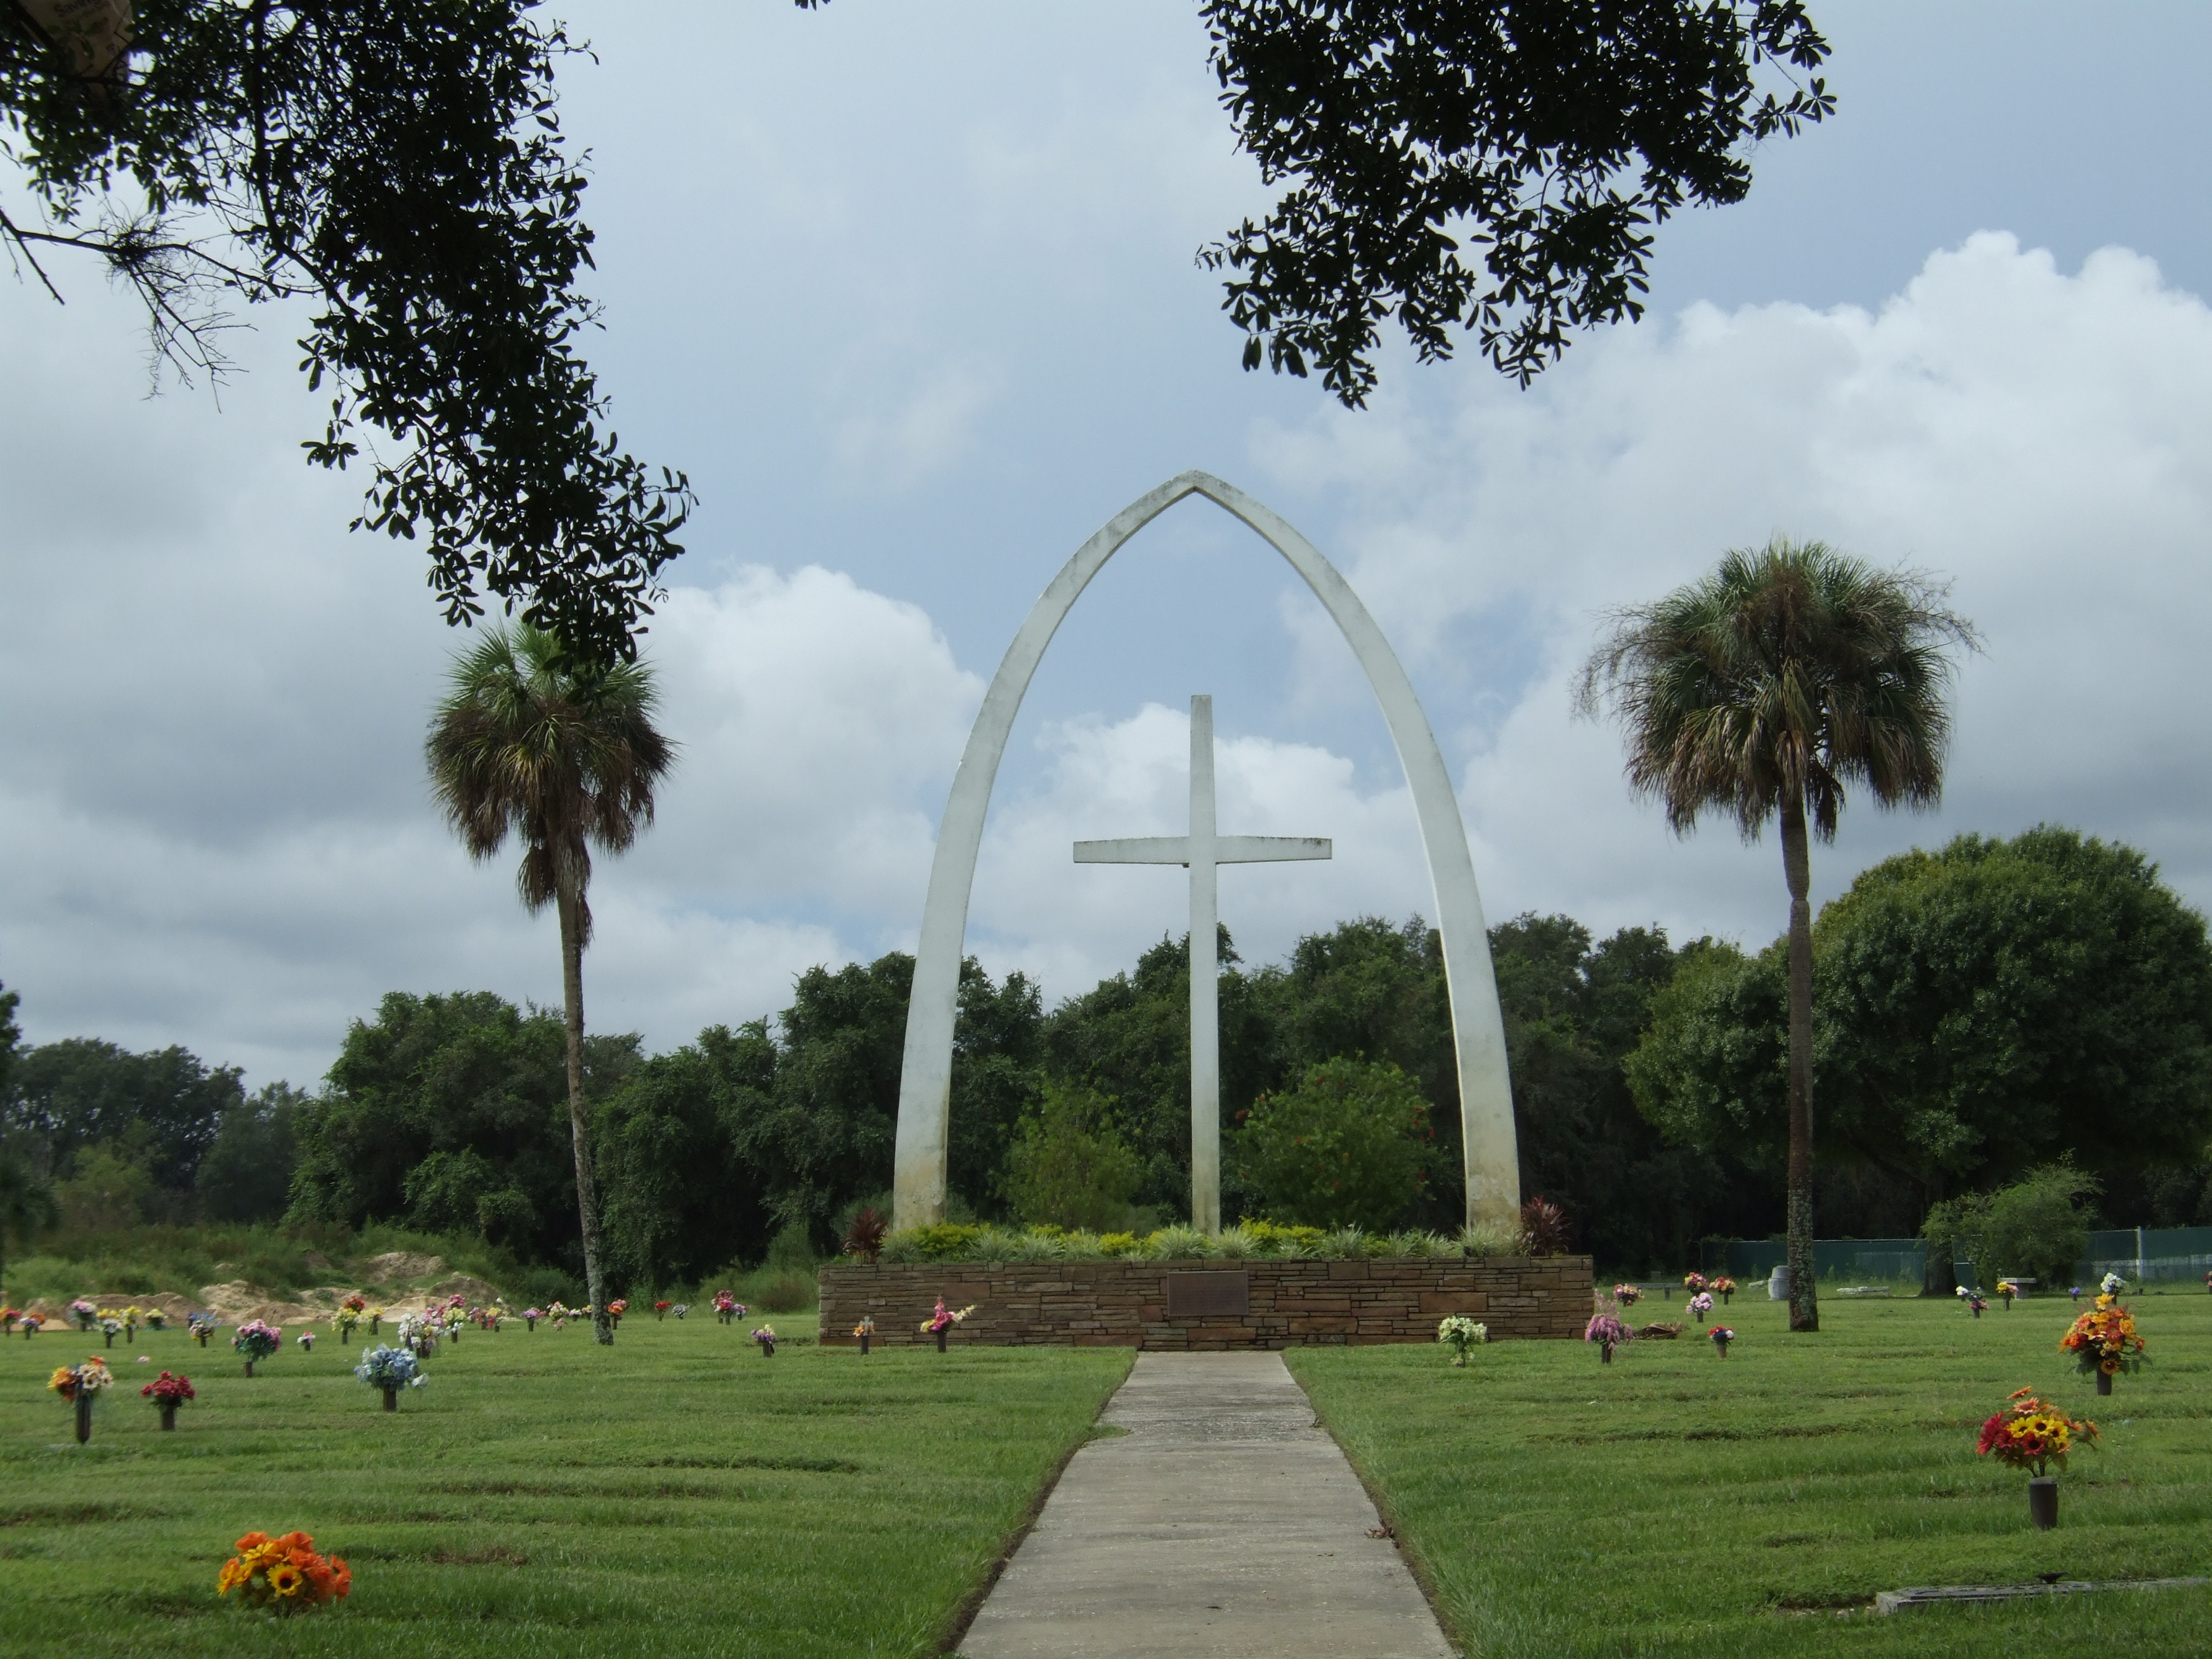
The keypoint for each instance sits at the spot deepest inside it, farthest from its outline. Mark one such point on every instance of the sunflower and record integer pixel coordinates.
(287, 1580)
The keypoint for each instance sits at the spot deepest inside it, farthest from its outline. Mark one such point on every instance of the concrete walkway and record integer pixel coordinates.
(1225, 1524)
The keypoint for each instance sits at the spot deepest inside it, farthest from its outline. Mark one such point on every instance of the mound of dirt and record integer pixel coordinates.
(398, 1267)
(473, 1292)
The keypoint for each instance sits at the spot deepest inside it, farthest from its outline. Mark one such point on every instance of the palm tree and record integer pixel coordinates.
(527, 739)
(1760, 691)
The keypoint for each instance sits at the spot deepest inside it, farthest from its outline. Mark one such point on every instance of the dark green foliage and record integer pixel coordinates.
(1983, 1009)
(677, 1200)
(450, 1113)
(1068, 1166)
(1348, 1146)
(1497, 167)
(821, 1134)
(1977, 1012)
(246, 1175)
(711, 1154)
(399, 163)
(11, 1036)
(998, 1047)
(1574, 1013)
(1129, 1039)
(160, 1109)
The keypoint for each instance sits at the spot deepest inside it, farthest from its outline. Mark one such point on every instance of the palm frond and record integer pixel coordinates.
(1792, 671)
(525, 743)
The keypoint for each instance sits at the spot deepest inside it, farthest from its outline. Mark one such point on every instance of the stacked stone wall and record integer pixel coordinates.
(1283, 1304)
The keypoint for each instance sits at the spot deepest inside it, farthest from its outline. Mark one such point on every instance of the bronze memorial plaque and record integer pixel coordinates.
(1200, 1295)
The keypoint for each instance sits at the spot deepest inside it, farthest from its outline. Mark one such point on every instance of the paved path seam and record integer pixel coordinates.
(1226, 1523)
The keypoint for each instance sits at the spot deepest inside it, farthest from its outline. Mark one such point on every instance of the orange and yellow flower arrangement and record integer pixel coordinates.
(2031, 1434)
(2104, 1340)
(285, 1574)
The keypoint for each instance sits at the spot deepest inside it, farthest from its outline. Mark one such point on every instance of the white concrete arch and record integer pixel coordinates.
(1493, 1180)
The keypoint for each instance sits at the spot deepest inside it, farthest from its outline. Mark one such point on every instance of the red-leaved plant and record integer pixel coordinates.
(1545, 1229)
(865, 1237)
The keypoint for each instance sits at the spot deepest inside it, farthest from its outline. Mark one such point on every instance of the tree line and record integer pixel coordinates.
(1980, 1011)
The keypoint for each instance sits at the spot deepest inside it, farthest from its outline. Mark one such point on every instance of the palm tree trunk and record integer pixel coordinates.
(1796, 868)
(587, 1203)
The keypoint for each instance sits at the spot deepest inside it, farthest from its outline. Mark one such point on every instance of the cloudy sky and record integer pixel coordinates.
(909, 292)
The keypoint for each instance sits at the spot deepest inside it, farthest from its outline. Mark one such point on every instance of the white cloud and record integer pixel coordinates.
(1069, 924)
(2045, 439)
(213, 818)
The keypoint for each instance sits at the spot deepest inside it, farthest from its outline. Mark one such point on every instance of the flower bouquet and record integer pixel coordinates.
(2103, 1343)
(2029, 1434)
(391, 1369)
(1973, 1300)
(1606, 1330)
(727, 1308)
(78, 1384)
(1693, 1282)
(2111, 1283)
(616, 1308)
(1627, 1295)
(865, 1330)
(1462, 1333)
(284, 1575)
(530, 1318)
(347, 1315)
(110, 1328)
(306, 1342)
(256, 1340)
(418, 1333)
(131, 1316)
(83, 1312)
(2007, 1288)
(1722, 1287)
(202, 1326)
(681, 1308)
(156, 1320)
(1701, 1304)
(939, 1323)
(1721, 1336)
(168, 1392)
(660, 1310)
(32, 1325)
(766, 1337)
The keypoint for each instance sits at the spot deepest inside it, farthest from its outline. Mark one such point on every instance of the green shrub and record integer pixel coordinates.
(777, 1289)
(1349, 1146)
(943, 1241)
(1068, 1167)
(2039, 1225)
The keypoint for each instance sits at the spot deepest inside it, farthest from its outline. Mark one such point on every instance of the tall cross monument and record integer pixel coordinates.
(1203, 851)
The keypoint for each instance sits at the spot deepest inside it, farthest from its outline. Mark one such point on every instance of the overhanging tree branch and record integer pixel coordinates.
(402, 162)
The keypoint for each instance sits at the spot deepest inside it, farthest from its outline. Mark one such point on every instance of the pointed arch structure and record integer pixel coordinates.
(1492, 1168)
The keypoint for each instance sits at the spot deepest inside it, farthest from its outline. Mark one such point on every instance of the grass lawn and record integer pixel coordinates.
(676, 1495)
(1677, 1504)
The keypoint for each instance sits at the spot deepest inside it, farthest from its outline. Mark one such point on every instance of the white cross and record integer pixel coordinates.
(1201, 851)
